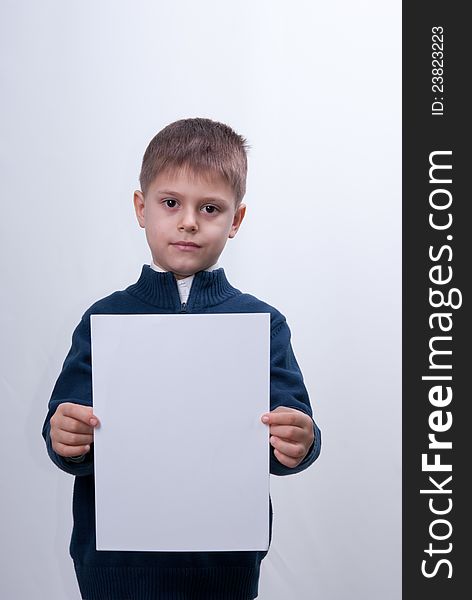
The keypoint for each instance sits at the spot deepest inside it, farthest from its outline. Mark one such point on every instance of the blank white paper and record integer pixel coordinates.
(181, 456)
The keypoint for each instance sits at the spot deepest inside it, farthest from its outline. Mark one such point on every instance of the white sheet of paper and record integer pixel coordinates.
(181, 456)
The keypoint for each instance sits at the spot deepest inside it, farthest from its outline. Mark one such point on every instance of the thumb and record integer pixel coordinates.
(80, 413)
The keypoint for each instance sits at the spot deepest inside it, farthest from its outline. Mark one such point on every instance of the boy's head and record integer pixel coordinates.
(193, 179)
(200, 146)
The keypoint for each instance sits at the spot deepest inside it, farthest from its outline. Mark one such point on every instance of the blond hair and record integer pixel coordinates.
(200, 146)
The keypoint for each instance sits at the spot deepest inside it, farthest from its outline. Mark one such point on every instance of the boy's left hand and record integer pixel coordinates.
(291, 434)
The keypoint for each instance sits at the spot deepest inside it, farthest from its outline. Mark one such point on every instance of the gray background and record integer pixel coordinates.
(315, 87)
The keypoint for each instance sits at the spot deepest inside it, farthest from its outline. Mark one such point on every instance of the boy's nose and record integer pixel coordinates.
(188, 222)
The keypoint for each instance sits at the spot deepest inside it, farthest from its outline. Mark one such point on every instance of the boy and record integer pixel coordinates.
(193, 179)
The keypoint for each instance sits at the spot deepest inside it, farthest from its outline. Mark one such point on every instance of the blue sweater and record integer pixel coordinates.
(106, 575)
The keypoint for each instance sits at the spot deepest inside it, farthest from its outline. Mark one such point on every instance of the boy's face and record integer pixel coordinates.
(187, 220)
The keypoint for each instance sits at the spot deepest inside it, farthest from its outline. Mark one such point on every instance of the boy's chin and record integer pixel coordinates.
(182, 274)
(182, 271)
(179, 271)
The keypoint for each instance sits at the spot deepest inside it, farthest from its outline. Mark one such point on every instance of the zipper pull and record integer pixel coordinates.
(183, 307)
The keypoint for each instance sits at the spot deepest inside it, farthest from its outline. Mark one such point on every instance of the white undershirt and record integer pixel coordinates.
(184, 285)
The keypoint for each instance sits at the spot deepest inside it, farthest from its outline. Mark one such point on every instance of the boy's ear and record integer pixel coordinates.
(138, 200)
(237, 220)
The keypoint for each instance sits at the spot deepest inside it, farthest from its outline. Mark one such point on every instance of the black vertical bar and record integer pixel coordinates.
(437, 259)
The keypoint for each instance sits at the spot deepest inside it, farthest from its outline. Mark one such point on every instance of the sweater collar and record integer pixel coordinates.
(209, 288)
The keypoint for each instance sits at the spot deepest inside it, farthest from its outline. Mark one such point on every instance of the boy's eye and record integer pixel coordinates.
(209, 209)
(170, 202)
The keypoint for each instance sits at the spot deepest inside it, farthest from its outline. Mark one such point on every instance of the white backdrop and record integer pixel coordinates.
(316, 89)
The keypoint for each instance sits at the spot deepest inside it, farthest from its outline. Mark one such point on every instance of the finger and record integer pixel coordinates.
(68, 451)
(287, 461)
(297, 451)
(289, 432)
(72, 439)
(73, 426)
(80, 413)
(287, 416)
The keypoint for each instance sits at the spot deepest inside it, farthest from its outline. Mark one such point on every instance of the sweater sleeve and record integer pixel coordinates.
(74, 384)
(288, 389)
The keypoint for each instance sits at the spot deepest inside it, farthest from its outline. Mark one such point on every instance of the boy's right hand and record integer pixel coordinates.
(72, 428)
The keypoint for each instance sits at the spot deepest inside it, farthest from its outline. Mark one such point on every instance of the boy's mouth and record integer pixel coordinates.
(188, 246)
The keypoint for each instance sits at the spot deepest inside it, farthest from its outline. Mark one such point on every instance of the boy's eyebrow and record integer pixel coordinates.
(168, 192)
(171, 193)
